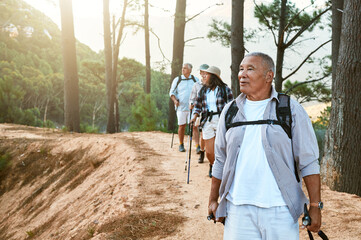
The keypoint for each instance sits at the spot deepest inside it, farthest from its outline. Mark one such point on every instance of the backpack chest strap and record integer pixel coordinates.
(268, 121)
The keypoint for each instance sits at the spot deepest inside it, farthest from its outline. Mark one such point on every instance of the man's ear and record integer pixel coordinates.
(269, 76)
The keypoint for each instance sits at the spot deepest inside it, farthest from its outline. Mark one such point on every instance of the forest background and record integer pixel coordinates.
(31, 62)
(88, 91)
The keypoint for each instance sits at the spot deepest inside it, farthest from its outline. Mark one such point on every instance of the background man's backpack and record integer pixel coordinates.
(180, 79)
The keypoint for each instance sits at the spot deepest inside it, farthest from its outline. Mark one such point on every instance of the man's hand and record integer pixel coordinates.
(191, 106)
(213, 199)
(315, 215)
(212, 208)
(176, 103)
(193, 121)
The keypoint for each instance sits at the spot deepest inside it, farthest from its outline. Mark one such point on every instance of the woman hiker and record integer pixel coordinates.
(211, 99)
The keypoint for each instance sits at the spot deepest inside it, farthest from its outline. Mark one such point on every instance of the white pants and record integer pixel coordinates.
(183, 117)
(249, 222)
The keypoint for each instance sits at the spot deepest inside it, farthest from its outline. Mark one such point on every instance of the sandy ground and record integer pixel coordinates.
(119, 186)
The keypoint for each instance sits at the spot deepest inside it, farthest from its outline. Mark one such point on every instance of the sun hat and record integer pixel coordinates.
(203, 67)
(214, 70)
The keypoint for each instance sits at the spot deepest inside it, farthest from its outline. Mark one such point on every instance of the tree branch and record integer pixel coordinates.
(306, 82)
(191, 39)
(268, 24)
(191, 18)
(294, 17)
(305, 27)
(303, 62)
(150, 30)
(160, 49)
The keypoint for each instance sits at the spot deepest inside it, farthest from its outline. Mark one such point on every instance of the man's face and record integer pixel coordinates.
(186, 70)
(254, 76)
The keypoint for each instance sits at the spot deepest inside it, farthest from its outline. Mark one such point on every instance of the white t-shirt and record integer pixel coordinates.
(254, 182)
(211, 97)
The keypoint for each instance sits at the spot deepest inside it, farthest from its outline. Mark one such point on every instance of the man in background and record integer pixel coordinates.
(179, 93)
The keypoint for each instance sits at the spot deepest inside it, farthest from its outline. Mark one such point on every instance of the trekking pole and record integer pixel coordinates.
(190, 152)
(306, 220)
(190, 117)
(171, 145)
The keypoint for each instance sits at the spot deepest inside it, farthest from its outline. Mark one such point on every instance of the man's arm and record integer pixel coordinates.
(175, 100)
(213, 198)
(313, 185)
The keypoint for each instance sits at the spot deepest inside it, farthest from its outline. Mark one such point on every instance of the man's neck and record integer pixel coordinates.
(187, 76)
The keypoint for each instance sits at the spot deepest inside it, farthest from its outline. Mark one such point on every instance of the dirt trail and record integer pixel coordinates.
(120, 186)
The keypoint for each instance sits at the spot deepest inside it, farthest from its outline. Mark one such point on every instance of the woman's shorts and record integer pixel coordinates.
(209, 128)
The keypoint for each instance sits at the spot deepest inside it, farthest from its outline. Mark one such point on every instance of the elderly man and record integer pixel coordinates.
(179, 93)
(258, 163)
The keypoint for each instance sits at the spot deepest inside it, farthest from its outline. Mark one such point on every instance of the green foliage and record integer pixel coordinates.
(269, 17)
(32, 81)
(30, 234)
(4, 161)
(317, 91)
(322, 121)
(145, 115)
(85, 128)
(320, 127)
(31, 117)
(48, 124)
(221, 32)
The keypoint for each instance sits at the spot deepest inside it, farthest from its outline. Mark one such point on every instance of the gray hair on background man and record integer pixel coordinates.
(189, 65)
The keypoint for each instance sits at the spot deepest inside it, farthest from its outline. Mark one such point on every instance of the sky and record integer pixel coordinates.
(88, 25)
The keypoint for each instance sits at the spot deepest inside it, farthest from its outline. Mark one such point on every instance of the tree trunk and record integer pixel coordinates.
(178, 50)
(147, 48)
(115, 64)
(71, 82)
(117, 119)
(280, 47)
(46, 111)
(341, 162)
(336, 32)
(237, 44)
(108, 67)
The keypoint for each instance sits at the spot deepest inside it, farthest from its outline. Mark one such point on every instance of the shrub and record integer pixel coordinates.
(4, 161)
(85, 128)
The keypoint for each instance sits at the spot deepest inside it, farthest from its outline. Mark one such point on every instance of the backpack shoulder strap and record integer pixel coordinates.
(194, 80)
(283, 111)
(230, 114)
(179, 80)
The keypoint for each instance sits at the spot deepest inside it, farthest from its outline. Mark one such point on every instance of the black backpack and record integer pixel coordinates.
(180, 79)
(284, 118)
(283, 111)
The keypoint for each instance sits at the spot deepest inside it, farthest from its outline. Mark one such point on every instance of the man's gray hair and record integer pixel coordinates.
(189, 65)
(266, 59)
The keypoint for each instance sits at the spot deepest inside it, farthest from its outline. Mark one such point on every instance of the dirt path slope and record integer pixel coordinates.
(120, 186)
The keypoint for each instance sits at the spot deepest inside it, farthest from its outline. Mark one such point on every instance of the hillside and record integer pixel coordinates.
(121, 186)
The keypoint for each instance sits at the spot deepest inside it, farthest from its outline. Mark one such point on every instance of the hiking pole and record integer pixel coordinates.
(185, 166)
(306, 220)
(190, 152)
(171, 145)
